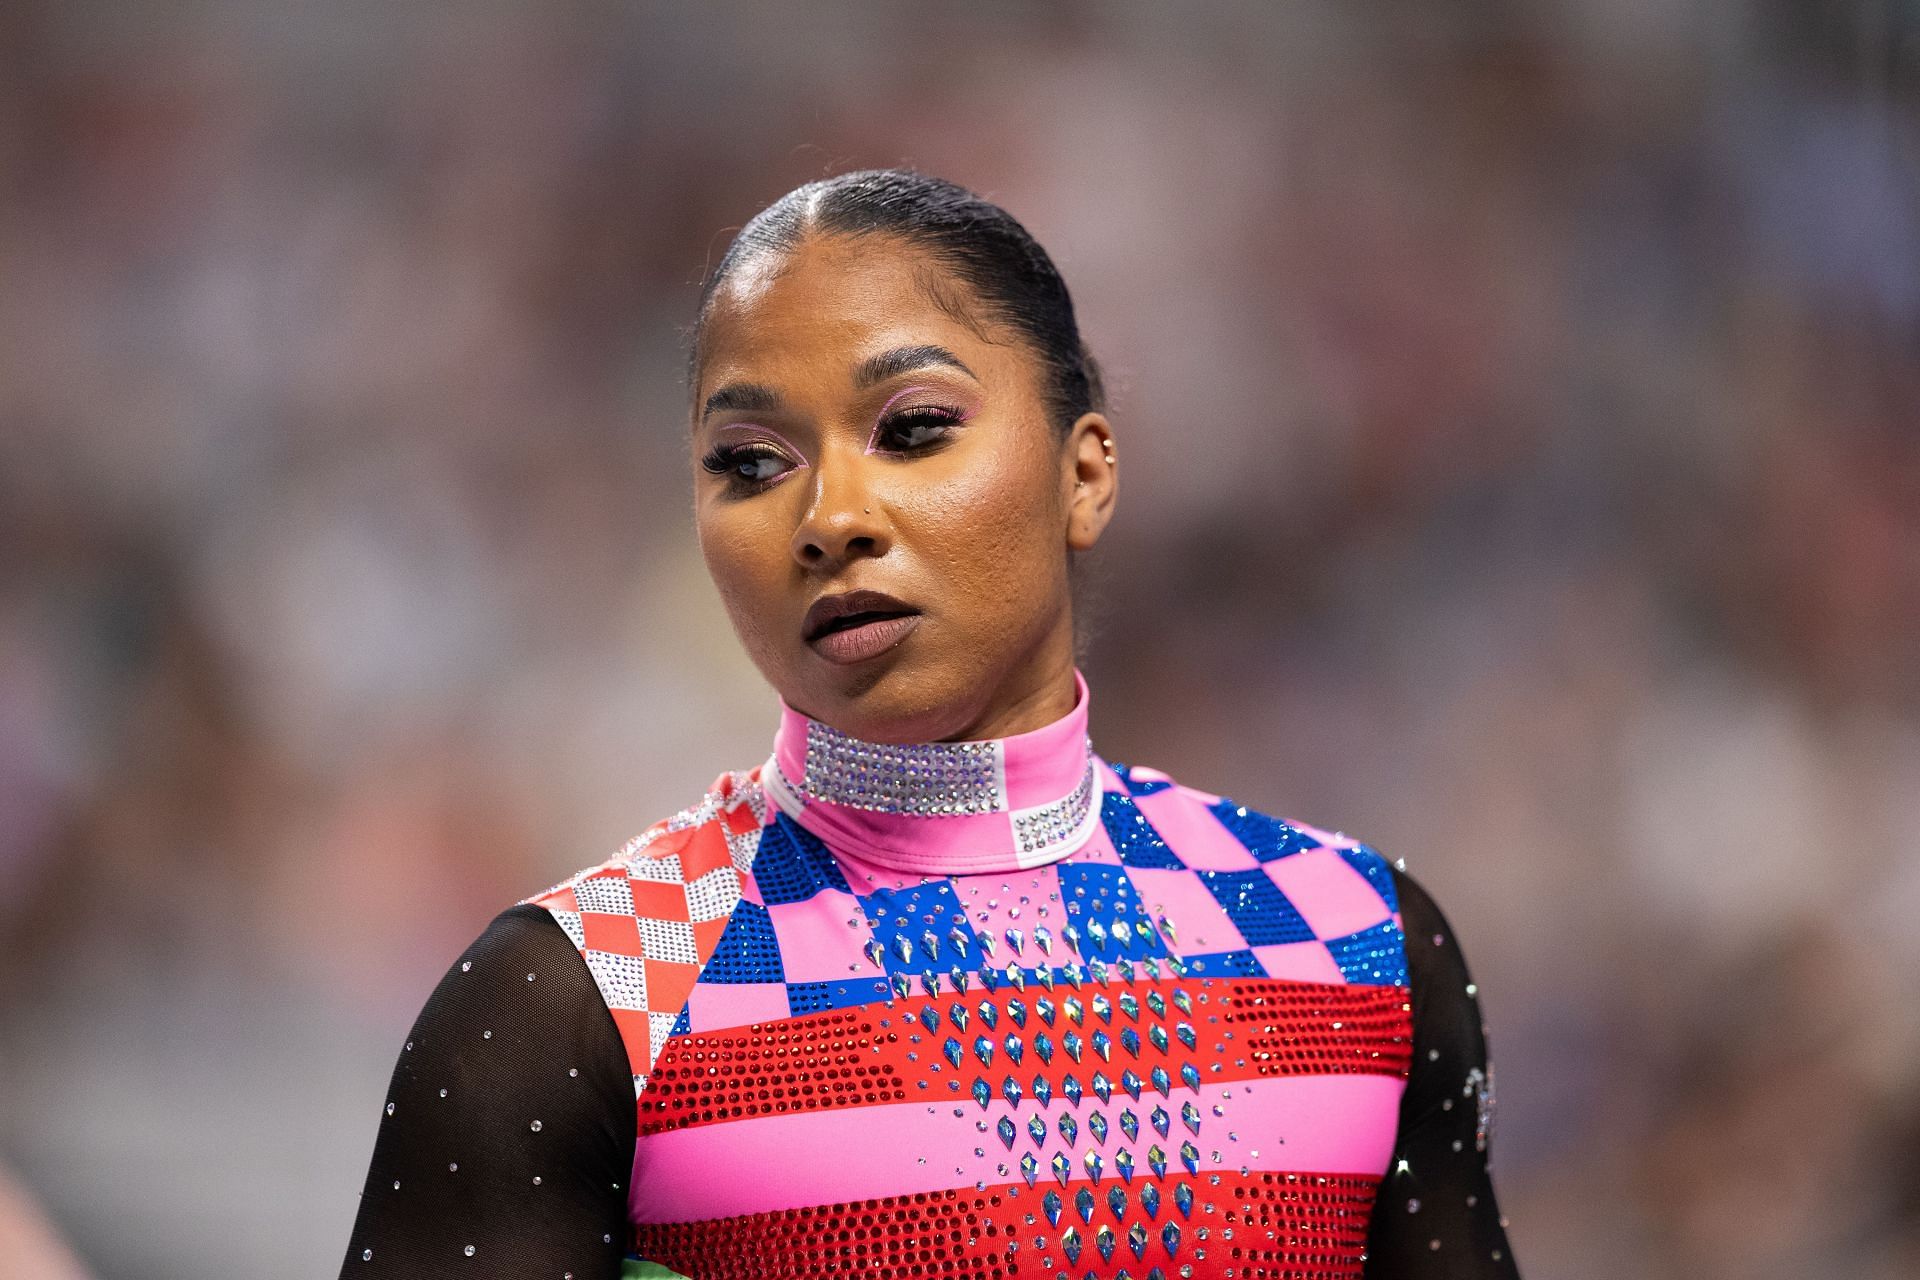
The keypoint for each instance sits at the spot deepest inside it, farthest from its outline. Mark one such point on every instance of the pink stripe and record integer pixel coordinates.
(1326, 1124)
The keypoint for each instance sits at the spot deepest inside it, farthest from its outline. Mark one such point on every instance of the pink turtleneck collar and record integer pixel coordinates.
(941, 808)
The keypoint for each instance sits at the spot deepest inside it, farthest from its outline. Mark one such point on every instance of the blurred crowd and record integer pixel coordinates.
(1519, 410)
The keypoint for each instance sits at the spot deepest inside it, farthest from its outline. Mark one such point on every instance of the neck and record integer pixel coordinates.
(1022, 799)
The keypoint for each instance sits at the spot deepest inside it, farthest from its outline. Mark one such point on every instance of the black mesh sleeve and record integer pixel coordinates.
(1436, 1218)
(508, 1131)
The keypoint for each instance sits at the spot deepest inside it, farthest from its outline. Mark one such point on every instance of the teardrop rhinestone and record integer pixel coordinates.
(1070, 1244)
(1183, 1199)
(1071, 1043)
(1062, 1167)
(1103, 1086)
(1010, 1090)
(1157, 1160)
(1184, 1031)
(1102, 1045)
(1030, 1168)
(1043, 1046)
(1103, 1240)
(982, 1092)
(1190, 1114)
(1037, 1130)
(1137, 1239)
(1160, 1121)
(1170, 1237)
(1131, 1083)
(1129, 1005)
(1123, 1161)
(1044, 1007)
(1016, 1048)
(1182, 1000)
(1097, 1126)
(1161, 1080)
(930, 1018)
(1006, 1129)
(957, 1015)
(875, 953)
(1050, 1205)
(1158, 1035)
(1016, 1012)
(1117, 1201)
(1190, 1157)
(1043, 939)
(1042, 1090)
(1157, 1003)
(1150, 1200)
(1094, 1164)
(1076, 1012)
(1130, 1125)
(990, 1014)
(1190, 1076)
(983, 1050)
(1069, 1127)
(1071, 1088)
(955, 1054)
(1130, 1041)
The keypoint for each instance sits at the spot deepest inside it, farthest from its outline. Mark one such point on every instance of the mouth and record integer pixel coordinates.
(857, 625)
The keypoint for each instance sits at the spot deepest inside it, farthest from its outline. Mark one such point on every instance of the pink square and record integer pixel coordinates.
(1195, 834)
(714, 1005)
(1331, 896)
(1200, 923)
(816, 942)
(1301, 961)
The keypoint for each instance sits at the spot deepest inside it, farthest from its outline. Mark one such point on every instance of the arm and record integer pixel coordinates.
(1439, 1186)
(507, 1134)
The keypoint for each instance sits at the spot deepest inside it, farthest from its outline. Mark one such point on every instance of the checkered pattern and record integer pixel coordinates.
(648, 919)
(731, 913)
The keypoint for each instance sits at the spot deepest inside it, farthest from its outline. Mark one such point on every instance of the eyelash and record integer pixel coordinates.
(940, 416)
(723, 459)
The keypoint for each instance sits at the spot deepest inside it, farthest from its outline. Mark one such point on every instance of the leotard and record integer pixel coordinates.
(989, 1009)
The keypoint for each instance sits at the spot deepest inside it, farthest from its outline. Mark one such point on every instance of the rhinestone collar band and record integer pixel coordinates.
(994, 804)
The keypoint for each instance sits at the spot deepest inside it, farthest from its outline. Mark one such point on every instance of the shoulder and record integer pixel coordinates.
(647, 918)
(1138, 799)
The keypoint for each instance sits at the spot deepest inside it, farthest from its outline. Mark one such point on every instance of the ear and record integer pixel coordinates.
(1090, 475)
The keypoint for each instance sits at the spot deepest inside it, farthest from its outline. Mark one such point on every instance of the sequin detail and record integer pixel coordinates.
(927, 778)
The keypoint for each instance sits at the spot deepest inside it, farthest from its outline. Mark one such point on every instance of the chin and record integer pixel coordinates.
(892, 699)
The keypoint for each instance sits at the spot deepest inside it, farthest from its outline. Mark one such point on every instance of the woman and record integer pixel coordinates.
(935, 990)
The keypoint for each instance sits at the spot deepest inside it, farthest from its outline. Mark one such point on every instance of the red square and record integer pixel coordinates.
(705, 850)
(618, 934)
(637, 1034)
(669, 983)
(659, 901)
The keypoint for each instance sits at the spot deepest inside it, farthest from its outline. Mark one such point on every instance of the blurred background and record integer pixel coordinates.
(1520, 411)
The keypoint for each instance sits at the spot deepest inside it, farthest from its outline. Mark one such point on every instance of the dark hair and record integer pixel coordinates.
(975, 239)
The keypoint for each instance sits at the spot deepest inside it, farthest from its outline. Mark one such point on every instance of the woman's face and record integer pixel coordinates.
(850, 437)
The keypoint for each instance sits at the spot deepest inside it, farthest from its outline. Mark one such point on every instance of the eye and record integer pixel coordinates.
(748, 465)
(915, 429)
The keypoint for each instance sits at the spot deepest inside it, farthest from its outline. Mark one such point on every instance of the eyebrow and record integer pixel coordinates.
(756, 397)
(749, 397)
(891, 364)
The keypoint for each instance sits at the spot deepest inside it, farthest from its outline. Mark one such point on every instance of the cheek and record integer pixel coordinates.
(746, 555)
(994, 531)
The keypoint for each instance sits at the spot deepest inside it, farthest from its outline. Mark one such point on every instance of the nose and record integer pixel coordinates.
(841, 522)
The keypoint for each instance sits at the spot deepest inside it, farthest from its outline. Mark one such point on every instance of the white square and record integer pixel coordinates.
(622, 979)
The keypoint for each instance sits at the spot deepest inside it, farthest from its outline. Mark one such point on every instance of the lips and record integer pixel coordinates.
(857, 625)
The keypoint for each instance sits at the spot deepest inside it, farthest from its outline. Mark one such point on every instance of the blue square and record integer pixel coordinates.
(1257, 907)
(747, 950)
(1225, 964)
(791, 864)
(902, 919)
(1266, 838)
(1098, 895)
(1373, 864)
(1375, 956)
(842, 993)
(1138, 844)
